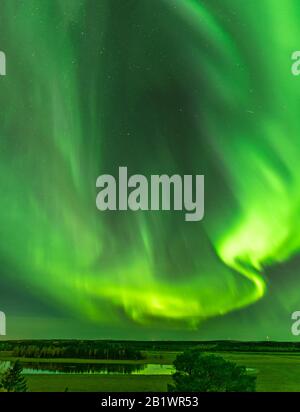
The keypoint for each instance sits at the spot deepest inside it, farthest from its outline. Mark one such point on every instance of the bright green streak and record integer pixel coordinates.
(161, 87)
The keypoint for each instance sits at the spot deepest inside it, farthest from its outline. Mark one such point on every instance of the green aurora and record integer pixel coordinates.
(159, 86)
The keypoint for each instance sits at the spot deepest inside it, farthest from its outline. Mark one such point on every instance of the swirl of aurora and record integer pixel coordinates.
(162, 87)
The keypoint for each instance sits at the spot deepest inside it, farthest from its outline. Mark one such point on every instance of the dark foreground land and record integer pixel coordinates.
(277, 366)
(275, 373)
(100, 383)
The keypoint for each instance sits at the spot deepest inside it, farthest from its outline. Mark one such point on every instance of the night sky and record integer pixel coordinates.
(162, 87)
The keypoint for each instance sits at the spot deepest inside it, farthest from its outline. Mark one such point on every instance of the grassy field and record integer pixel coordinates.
(98, 383)
(275, 372)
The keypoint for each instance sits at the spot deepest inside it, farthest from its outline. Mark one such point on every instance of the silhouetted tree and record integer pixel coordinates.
(12, 379)
(200, 372)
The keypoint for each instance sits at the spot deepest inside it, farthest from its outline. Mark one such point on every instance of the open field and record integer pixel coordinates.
(275, 372)
(98, 383)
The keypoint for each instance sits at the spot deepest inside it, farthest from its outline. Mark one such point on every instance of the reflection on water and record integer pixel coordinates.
(92, 368)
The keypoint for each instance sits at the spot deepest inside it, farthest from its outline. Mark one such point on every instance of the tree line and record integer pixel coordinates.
(83, 351)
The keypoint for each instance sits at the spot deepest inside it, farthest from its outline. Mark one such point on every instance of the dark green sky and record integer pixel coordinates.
(159, 86)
